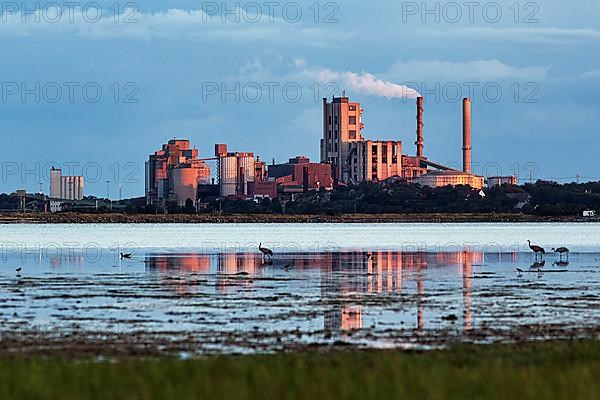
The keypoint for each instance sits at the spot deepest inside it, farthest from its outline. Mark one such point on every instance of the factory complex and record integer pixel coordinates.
(175, 173)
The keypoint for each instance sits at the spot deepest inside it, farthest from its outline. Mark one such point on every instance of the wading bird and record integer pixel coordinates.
(536, 249)
(519, 271)
(265, 251)
(561, 251)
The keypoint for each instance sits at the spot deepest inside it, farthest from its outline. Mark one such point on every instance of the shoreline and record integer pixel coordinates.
(116, 218)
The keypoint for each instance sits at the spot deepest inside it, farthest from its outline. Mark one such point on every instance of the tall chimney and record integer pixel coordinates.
(419, 141)
(467, 135)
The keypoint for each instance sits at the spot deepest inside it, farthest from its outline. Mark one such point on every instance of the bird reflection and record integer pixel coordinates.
(538, 264)
(345, 277)
(561, 264)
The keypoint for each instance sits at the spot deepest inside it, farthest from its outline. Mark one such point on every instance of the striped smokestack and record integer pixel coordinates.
(419, 141)
(467, 135)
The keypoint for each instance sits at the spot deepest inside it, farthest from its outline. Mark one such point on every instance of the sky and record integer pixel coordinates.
(96, 90)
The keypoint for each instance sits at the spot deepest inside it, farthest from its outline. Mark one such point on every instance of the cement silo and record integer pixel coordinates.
(228, 175)
(55, 178)
(246, 171)
(236, 170)
(185, 184)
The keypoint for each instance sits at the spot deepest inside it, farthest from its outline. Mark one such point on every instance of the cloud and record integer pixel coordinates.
(545, 36)
(469, 71)
(399, 79)
(593, 74)
(171, 24)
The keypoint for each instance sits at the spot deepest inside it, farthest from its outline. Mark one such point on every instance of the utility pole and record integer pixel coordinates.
(108, 193)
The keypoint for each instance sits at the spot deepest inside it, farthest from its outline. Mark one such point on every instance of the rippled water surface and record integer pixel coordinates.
(209, 289)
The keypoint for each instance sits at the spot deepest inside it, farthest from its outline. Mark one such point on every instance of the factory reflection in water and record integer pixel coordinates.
(344, 276)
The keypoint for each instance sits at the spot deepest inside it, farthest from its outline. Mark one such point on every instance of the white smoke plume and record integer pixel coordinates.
(365, 83)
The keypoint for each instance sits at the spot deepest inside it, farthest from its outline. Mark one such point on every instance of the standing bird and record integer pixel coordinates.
(561, 251)
(536, 249)
(265, 251)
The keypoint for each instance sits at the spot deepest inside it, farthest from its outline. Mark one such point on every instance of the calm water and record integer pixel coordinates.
(369, 285)
(305, 237)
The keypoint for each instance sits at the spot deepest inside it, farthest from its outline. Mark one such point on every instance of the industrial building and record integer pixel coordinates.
(355, 159)
(65, 187)
(299, 175)
(174, 173)
(493, 181)
(449, 178)
(243, 175)
(237, 172)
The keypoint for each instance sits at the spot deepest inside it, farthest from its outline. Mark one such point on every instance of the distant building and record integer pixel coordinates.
(300, 175)
(501, 180)
(56, 206)
(265, 189)
(342, 126)
(65, 187)
(375, 160)
(449, 178)
(237, 172)
(175, 173)
(355, 159)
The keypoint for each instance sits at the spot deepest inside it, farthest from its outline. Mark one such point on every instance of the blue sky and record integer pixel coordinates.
(169, 60)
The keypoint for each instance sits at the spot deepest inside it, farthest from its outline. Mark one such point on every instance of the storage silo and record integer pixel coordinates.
(246, 167)
(228, 175)
(55, 178)
(185, 184)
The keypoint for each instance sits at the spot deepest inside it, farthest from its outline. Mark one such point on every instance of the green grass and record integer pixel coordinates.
(542, 371)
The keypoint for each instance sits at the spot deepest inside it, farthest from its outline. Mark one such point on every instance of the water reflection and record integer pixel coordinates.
(561, 264)
(234, 298)
(538, 265)
(344, 278)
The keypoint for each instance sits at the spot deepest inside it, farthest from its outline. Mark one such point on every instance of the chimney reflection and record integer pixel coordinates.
(467, 271)
(231, 264)
(345, 277)
(67, 260)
